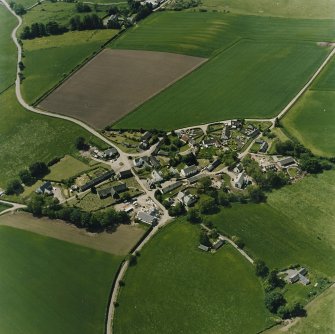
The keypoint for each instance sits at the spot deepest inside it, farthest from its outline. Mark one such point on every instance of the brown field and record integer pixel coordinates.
(118, 243)
(115, 82)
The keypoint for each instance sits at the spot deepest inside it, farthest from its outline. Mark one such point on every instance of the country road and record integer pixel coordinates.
(14, 207)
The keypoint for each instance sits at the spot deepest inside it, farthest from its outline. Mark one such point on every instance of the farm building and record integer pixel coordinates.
(45, 188)
(225, 133)
(286, 162)
(171, 187)
(125, 174)
(209, 143)
(154, 162)
(213, 165)
(203, 247)
(189, 171)
(112, 191)
(146, 218)
(195, 178)
(97, 180)
(240, 180)
(218, 244)
(110, 153)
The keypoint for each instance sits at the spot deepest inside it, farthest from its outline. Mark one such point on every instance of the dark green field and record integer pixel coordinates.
(176, 288)
(51, 286)
(295, 226)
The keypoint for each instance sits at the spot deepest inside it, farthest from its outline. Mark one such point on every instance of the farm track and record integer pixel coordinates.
(123, 157)
(14, 207)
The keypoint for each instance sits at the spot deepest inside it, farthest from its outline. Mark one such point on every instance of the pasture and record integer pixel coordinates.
(296, 225)
(252, 79)
(115, 82)
(119, 242)
(183, 289)
(65, 168)
(48, 60)
(51, 286)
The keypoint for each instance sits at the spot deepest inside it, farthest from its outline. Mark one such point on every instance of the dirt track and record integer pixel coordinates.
(115, 82)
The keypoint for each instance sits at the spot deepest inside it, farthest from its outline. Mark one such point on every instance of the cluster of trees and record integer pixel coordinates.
(41, 29)
(141, 11)
(230, 159)
(185, 4)
(80, 144)
(83, 7)
(188, 159)
(88, 22)
(40, 205)
(18, 8)
(28, 177)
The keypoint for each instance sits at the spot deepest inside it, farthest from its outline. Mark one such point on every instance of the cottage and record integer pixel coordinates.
(154, 162)
(125, 174)
(186, 199)
(146, 218)
(286, 162)
(171, 187)
(110, 153)
(213, 165)
(203, 247)
(189, 171)
(97, 180)
(240, 180)
(45, 188)
(302, 271)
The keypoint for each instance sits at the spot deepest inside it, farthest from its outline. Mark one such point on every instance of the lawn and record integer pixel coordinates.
(51, 286)
(184, 290)
(295, 226)
(49, 59)
(292, 8)
(252, 79)
(65, 168)
(7, 64)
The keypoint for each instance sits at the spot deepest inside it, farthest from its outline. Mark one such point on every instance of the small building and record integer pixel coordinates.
(286, 162)
(209, 142)
(189, 171)
(147, 135)
(303, 280)
(203, 248)
(113, 191)
(218, 244)
(156, 177)
(236, 124)
(45, 189)
(138, 162)
(146, 218)
(195, 178)
(125, 174)
(171, 187)
(264, 147)
(213, 165)
(110, 153)
(97, 180)
(294, 277)
(225, 133)
(238, 168)
(154, 162)
(240, 180)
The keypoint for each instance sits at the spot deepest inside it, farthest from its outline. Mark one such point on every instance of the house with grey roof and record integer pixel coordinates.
(171, 187)
(45, 189)
(146, 218)
(203, 248)
(240, 180)
(189, 171)
(110, 153)
(156, 177)
(284, 162)
(225, 133)
(213, 165)
(113, 191)
(219, 243)
(154, 162)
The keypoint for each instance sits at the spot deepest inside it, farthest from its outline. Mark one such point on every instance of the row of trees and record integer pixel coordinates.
(40, 205)
(18, 8)
(41, 29)
(88, 22)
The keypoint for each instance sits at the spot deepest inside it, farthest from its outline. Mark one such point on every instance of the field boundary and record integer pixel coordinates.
(4, 90)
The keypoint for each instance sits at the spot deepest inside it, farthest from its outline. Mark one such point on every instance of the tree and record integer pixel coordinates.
(311, 165)
(274, 281)
(238, 241)
(207, 205)
(274, 300)
(176, 210)
(26, 177)
(256, 195)
(113, 10)
(132, 260)
(261, 269)
(277, 123)
(83, 8)
(38, 169)
(204, 239)
(80, 144)
(19, 9)
(113, 24)
(14, 187)
(223, 199)
(193, 216)
(36, 204)
(26, 33)
(205, 183)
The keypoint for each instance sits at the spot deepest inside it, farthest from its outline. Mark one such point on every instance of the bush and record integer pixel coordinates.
(132, 260)
(193, 216)
(26, 177)
(14, 187)
(204, 240)
(274, 300)
(39, 169)
(208, 205)
(261, 268)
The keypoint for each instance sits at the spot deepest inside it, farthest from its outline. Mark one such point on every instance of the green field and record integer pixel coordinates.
(49, 59)
(7, 64)
(291, 8)
(184, 290)
(42, 293)
(295, 226)
(65, 168)
(4, 207)
(251, 79)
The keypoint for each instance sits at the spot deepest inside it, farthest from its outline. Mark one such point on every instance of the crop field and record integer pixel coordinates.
(208, 290)
(65, 168)
(115, 82)
(295, 226)
(7, 64)
(292, 8)
(252, 79)
(117, 243)
(49, 59)
(42, 293)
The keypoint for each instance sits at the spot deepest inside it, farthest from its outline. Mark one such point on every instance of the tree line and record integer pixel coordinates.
(40, 30)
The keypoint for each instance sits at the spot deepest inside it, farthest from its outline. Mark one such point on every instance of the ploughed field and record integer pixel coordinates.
(115, 82)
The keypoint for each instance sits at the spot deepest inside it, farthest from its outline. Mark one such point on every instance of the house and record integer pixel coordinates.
(125, 174)
(203, 247)
(171, 187)
(302, 271)
(236, 124)
(294, 277)
(218, 244)
(156, 177)
(189, 171)
(110, 153)
(146, 218)
(238, 168)
(97, 180)
(286, 162)
(195, 178)
(303, 280)
(213, 165)
(45, 188)
(225, 133)
(138, 162)
(186, 199)
(240, 180)
(112, 191)
(147, 135)
(144, 145)
(264, 147)
(209, 142)
(154, 162)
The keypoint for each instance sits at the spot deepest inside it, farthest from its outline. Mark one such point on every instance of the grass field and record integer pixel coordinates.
(320, 317)
(295, 226)
(42, 293)
(7, 64)
(292, 8)
(65, 168)
(252, 79)
(4, 207)
(119, 242)
(49, 59)
(184, 290)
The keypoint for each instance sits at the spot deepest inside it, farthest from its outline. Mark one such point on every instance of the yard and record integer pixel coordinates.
(115, 82)
(295, 226)
(185, 290)
(51, 286)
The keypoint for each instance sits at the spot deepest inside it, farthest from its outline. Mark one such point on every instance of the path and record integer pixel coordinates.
(14, 207)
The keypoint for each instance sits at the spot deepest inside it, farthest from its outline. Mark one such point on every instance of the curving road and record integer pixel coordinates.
(14, 207)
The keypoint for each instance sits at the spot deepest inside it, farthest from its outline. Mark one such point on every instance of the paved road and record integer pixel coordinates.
(14, 207)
